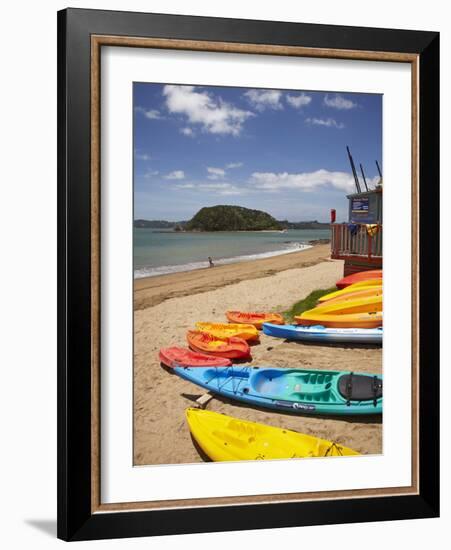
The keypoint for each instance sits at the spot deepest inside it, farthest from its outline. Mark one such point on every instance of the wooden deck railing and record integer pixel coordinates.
(360, 244)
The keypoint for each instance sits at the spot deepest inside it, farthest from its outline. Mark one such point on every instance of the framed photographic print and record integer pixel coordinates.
(248, 268)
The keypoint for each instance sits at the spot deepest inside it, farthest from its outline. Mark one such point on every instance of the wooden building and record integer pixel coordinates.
(359, 241)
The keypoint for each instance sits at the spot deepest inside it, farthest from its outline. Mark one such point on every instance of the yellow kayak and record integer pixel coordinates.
(356, 305)
(340, 320)
(223, 437)
(229, 330)
(364, 285)
(356, 295)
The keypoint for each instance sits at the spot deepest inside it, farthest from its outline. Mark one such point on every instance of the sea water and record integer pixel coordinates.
(159, 251)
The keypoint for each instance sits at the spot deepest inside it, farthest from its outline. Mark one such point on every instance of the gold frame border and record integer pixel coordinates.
(97, 41)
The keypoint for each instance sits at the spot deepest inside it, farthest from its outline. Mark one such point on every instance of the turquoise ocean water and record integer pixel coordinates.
(158, 251)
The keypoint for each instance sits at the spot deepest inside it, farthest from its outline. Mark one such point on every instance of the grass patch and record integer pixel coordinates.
(309, 302)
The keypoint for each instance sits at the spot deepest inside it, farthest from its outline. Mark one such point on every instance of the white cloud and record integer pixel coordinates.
(215, 173)
(175, 175)
(298, 101)
(187, 131)
(264, 99)
(220, 188)
(152, 114)
(219, 173)
(150, 173)
(142, 156)
(185, 186)
(232, 191)
(328, 122)
(305, 181)
(214, 115)
(339, 102)
(371, 182)
(214, 185)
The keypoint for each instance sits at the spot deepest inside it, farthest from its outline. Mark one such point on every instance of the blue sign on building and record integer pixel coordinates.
(365, 207)
(360, 205)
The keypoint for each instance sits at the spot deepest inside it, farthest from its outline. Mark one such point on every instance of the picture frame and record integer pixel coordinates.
(81, 35)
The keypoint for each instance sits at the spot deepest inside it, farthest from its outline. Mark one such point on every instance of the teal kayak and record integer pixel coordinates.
(292, 390)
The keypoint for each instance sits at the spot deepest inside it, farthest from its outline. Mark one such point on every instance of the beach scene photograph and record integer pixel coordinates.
(258, 281)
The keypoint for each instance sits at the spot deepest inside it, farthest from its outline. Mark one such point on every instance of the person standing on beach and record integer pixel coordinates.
(210, 261)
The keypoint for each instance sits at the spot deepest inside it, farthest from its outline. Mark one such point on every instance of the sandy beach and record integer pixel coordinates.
(151, 291)
(166, 306)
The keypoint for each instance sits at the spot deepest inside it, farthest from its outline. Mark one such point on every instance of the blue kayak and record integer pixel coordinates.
(318, 333)
(292, 390)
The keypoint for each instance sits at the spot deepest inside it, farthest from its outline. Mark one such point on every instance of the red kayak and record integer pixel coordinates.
(359, 277)
(182, 357)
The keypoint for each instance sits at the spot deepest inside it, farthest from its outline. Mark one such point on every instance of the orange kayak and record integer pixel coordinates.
(256, 319)
(358, 277)
(182, 357)
(227, 330)
(349, 320)
(230, 348)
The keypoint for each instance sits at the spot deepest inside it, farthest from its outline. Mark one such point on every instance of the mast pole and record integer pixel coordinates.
(356, 179)
(363, 176)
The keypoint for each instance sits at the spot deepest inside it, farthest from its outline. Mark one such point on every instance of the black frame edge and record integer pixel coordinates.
(251, 517)
(429, 277)
(74, 272)
(75, 521)
(251, 31)
(61, 279)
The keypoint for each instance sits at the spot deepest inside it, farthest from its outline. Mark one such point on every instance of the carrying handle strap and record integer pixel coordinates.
(333, 446)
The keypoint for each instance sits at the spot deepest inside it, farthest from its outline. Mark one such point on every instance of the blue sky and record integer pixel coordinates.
(280, 151)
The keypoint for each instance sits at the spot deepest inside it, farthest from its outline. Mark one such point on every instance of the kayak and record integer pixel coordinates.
(185, 357)
(340, 320)
(292, 390)
(223, 437)
(358, 277)
(230, 348)
(225, 330)
(370, 284)
(356, 305)
(355, 295)
(256, 319)
(319, 333)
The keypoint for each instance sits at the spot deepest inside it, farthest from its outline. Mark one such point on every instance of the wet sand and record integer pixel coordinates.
(151, 291)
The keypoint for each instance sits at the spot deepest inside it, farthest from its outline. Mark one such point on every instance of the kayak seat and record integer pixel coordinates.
(231, 439)
(355, 387)
(268, 381)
